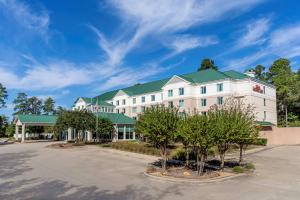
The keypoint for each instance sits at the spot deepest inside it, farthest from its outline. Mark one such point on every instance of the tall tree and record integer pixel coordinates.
(21, 104)
(281, 75)
(260, 73)
(49, 106)
(3, 95)
(3, 125)
(159, 125)
(207, 63)
(35, 105)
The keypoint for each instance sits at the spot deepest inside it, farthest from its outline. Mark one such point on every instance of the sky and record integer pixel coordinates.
(67, 49)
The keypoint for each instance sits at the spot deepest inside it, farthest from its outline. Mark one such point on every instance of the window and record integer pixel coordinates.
(134, 100)
(203, 102)
(220, 100)
(181, 91)
(170, 93)
(203, 113)
(143, 99)
(117, 102)
(265, 115)
(219, 87)
(264, 102)
(117, 110)
(181, 103)
(143, 108)
(123, 101)
(203, 90)
(133, 109)
(170, 104)
(152, 97)
(123, 110)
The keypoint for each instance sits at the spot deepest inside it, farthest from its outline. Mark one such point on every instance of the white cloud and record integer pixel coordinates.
(24, 15)
(254, 33)
(164, 18)
(283, 42)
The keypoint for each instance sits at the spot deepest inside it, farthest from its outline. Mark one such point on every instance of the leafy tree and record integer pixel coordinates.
(260, 73)
(207, 63)
(21, 104)
(35, 105)
(104, 127)
(59, 110)
(202, 138)
(244, 129)
(3, 95)
(281, 75)
(3, 125)
(49, 106)
(159, 125)
(80, 120)
(221, 122)
(184, 134)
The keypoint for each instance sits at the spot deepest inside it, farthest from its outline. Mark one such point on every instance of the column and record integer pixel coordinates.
(23, 133)
(17, 132)
(115, 133)
(124, 133)
(69, 137)
(133, 134)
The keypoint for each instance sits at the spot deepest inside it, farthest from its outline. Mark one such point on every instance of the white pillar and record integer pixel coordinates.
(69, 135)
(17, 132)
(89, 136)
(23, 133)
(124, 133)
(133, 133)
(115, 133)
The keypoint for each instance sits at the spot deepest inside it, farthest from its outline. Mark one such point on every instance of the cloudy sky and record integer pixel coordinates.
(66, 49)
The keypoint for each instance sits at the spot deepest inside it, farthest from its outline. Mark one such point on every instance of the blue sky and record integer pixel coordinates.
(66, 49)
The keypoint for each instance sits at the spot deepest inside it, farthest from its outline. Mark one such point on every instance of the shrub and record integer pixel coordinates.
(136, 147)
(260, 141)
(238, 169)
(250, 166)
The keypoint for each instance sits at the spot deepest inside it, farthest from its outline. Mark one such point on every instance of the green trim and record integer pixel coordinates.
(264, 123)
(37, 119)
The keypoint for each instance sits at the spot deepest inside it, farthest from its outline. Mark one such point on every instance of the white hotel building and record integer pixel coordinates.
(194, 91)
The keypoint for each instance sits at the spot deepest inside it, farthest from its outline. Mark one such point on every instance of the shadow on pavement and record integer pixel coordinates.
(14, 164)
(35, 189)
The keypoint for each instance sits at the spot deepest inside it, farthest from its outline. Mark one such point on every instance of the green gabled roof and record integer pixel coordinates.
(145, 87)
(38, 119)
(107, 95)
(235, 75)
(204, 76)
(94, 101)
(116, 118)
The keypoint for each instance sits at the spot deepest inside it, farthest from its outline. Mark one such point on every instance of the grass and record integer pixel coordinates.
(238, 169)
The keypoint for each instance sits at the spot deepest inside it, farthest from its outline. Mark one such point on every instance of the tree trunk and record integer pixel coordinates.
(202, 163)
(222, 158)
(241, 153)
(163, 152)
(222, 150)
(187, 155)
(286, 116)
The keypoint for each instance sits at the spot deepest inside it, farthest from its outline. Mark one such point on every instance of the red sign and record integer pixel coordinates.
(258, 89)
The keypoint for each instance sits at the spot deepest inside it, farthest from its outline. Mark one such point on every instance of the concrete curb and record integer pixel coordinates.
(196, 181)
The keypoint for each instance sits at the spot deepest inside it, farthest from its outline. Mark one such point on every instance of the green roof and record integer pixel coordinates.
(145, 88)
(107, 95)
(264, 123)
(94, 101)
(203, 76)
(235, 75)
(38, 119)
(116, 118)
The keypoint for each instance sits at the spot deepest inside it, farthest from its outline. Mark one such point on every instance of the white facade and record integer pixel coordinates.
(261, 95)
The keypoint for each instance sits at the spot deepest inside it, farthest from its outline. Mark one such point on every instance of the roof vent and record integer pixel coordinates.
(250, 72)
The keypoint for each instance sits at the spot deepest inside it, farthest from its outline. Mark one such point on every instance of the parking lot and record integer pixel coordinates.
(32, 171)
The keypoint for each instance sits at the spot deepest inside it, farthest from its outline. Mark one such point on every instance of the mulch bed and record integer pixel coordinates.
(64, 145)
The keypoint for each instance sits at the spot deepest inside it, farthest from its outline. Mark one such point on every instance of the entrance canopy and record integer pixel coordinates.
(32, 120)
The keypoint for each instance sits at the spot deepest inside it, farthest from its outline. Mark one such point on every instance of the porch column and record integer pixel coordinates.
(133, 135)
(69, 134)
(17, 132)
(124, 133)
(89, 136)
(115, 133)
(23, 133)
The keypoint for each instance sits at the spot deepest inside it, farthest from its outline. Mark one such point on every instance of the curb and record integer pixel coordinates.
(183, 180)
